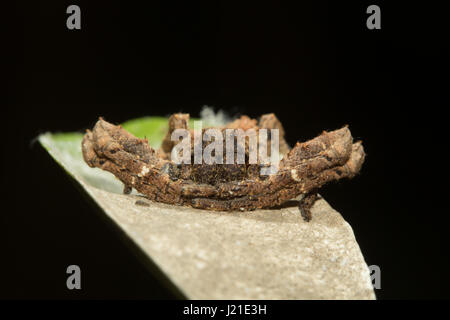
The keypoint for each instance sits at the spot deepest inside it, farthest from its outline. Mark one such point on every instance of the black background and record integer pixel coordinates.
(315, 64)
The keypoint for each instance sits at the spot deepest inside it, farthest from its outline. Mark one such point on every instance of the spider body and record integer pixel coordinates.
(226, 187)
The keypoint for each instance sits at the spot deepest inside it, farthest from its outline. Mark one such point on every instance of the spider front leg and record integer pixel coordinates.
(127, 189)
(306, 204)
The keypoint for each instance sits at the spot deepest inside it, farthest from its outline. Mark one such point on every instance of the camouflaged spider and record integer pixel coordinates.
(225, 187)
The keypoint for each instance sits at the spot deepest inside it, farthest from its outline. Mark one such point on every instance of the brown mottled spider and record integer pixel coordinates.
(303, 170)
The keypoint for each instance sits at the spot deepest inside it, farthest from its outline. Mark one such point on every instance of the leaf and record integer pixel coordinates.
(263, 254)
(152, 128)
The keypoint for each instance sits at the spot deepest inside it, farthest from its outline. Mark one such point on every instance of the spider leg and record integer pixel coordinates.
(176, 121)
(131, 160)
(306, 204)
(127, 189)
(270, 121)
(327, 150)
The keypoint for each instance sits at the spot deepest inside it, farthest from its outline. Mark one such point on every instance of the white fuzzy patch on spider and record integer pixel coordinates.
(214, 119)
(144, 171)
(294, 175)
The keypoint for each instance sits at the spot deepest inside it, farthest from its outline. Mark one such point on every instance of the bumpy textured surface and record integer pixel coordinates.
(303, 170)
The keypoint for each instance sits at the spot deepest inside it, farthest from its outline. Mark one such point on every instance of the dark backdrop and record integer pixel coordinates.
(315, 65)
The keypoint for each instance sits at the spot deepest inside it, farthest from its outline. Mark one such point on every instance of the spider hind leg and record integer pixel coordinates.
(306, 204)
